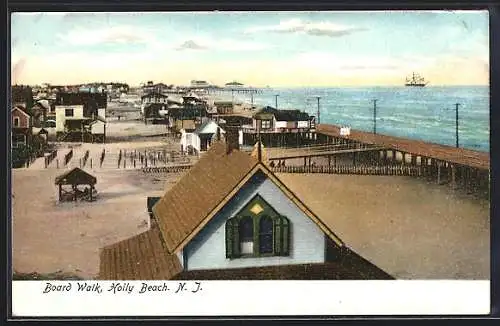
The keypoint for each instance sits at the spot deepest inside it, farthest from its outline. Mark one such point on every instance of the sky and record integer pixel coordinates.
(280, 49)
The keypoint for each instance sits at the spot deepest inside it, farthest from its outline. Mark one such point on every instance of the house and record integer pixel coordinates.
(40, 110)
(231, 218)
(186, 117)
(75, 112)
(154, 97)
(280, 127)
(155, 112)
(224, 107)
(22, 126)
(199, 139)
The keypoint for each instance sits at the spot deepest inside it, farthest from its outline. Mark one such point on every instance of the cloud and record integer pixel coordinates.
(109, 35)
(316, 29)
(191, 45)
(208, 43)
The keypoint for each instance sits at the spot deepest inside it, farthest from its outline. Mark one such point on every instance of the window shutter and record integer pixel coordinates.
(236, 237)
(285, 238)
(232, 238)
(277, 235)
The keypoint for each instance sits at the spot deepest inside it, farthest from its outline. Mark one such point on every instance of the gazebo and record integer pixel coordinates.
(74, 178)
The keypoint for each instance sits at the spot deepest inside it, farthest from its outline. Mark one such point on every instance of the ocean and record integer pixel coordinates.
(426, 114)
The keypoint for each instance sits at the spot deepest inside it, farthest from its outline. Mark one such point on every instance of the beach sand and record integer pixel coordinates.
(408, 227)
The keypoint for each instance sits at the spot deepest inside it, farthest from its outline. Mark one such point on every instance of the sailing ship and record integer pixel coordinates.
(415, 81)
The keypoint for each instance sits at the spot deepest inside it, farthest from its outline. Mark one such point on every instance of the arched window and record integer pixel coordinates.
(265, 235)
(246, 233)
(257, 231)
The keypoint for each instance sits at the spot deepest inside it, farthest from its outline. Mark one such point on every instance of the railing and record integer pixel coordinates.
(166, 169)
(400, 170)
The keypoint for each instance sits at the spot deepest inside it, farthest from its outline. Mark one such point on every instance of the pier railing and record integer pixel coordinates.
(400, 170)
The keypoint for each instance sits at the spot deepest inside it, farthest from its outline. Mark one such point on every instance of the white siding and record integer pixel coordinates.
(303, 124)
(280, 124)
(60, 114)
(207, 249)
(98, 128)
(101, 112)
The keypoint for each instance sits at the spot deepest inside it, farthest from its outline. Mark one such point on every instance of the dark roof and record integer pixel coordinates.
(451, 154)
(91, 101)
(142, 257)
(76, 176)
(198, 193)
(283, 115)
(349, 267)
(187, 112)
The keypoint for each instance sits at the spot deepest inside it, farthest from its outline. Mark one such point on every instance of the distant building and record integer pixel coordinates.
(75, 114)
(234, 84)
(224, 107)
(199, 140)
(199, 83)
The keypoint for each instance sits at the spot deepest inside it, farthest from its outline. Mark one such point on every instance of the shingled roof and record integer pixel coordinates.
(206, 185)
(76, 176)
(142, 257)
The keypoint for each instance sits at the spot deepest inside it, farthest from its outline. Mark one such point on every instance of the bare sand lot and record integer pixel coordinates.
(49, 236)
(410, 228)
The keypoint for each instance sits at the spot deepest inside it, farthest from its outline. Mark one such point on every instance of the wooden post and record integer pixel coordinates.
(354, 158)
(453, 176)
(305, 161)
(60, 191)
(91, 190)
(57, 163)
(329, 160)
(91, 163)
(438, 172)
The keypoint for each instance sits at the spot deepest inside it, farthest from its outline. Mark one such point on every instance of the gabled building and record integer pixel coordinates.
(199, 139)
(280, 127)
(22, 125)
(75, 113)
(231, 218)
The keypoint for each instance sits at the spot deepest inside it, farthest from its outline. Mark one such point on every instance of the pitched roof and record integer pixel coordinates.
(181, 210)
(203, 128)
(22, 110)
(75, 176)
(142, 257)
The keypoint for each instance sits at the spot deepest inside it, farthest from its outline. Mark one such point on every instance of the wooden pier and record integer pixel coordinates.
(366, 153)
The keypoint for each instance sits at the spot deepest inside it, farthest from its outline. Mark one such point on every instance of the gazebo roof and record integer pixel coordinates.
(76, 176)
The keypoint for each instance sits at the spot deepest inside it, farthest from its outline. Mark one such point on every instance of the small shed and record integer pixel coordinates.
(75, 178)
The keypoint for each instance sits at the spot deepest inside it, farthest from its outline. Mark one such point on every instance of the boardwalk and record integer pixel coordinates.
(465, 157)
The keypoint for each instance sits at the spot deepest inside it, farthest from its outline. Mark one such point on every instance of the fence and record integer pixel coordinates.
(49, 158)
(167, 169)
(402, 170)
(68, 157)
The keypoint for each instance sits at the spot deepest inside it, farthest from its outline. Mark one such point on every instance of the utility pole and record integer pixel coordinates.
(456, 122)
(318, 113)
(251, 96)
(375, 116)
(276, 101)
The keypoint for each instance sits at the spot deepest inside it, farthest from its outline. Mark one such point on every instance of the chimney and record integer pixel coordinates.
(232, 138)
